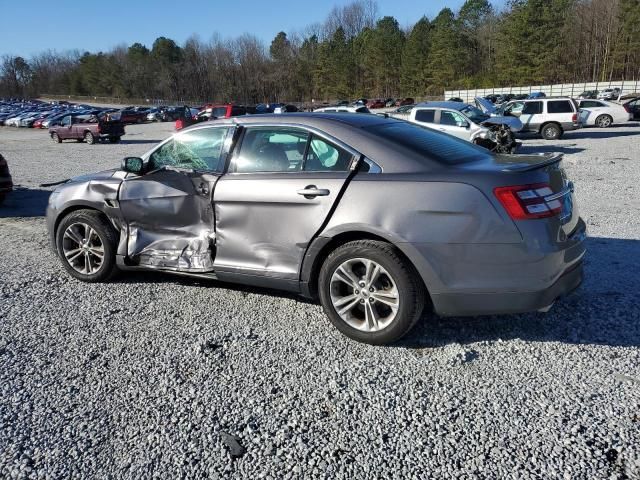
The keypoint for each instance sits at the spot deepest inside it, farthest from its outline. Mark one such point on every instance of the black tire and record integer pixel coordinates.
(551, 131)
(412, 294)
(604, 121)
(56, 138)
(108, 238)
(114, 139)
(89, 138)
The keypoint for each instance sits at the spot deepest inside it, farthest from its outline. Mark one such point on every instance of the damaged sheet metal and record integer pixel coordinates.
(170, 220)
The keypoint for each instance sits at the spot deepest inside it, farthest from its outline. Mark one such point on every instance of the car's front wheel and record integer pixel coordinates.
(56, 138)
(86, 244)
(370, 293)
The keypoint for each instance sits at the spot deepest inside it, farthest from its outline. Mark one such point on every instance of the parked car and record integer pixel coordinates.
(550, 117)
(345, 208)
(633, 107)
(593, 94)
(188, 116)
(455, 99)
(603, 114)
(6, 183)
(609, 94)
(468, 123)
(343, 109)
(89, 128)
(229, 110)
(405, 101)
(401, 112)
(377, 103)
(534, 95)
(360, 101)
(288, 108)
(133, 116)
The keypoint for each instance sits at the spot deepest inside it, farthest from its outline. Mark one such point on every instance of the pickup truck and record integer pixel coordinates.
(89, 128)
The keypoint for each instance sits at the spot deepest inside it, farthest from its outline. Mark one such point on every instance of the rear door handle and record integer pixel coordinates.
(311, 191)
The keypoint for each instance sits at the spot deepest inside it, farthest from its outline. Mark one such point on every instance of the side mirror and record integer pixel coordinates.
(132, 165)
(466, 124)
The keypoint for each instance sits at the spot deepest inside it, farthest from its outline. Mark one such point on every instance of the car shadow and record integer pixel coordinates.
(597, 133)
(185, 280)
(25, 202)
(550, 148)
(136, 142)
(602, 311)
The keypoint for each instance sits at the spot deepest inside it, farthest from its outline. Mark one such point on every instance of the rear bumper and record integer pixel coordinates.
(466, 304)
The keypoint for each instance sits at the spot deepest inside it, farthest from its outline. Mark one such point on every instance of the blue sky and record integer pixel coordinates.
(29, 27)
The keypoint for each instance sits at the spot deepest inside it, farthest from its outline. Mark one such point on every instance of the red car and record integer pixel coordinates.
(6, 183)
(377, 103)
(405, 101)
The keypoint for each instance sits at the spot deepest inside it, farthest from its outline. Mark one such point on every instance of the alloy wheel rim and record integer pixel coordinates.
(364, 294)
(604, 122)
(551, 132)
(83, 248)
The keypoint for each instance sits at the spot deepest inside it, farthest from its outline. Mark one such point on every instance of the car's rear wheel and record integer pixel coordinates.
(86, 244)
(604, 121)
(89, 138)
(551, 131)
(56, 138)
(370, 293)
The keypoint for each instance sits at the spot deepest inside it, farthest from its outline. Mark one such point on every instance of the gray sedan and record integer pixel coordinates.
(378, 218)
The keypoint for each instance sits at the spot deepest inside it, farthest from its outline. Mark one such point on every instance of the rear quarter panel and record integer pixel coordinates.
(427, 220)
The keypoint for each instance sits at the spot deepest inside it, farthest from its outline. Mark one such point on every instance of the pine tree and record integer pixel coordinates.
(413, 71)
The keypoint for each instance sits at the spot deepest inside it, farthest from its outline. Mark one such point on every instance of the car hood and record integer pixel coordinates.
(512, 122)
(485, 105)
(105, 176)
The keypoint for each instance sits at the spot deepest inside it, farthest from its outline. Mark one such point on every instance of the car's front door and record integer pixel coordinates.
(65, 130)
(168, 210)
(280, 187)
(454, 123)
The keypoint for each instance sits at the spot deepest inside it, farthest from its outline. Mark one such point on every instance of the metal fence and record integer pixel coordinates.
(559, 90)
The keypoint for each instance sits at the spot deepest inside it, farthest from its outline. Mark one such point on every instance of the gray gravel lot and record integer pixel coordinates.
(158, 376)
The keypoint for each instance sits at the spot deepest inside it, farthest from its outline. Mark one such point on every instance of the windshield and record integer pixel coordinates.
(474, 114)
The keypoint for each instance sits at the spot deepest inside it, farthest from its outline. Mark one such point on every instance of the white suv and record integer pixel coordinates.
(550, 117)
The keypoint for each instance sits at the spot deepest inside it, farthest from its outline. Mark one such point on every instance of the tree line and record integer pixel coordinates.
(354, 52)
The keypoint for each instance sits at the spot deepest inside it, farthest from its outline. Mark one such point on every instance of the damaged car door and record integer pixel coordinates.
(280, 187)
(168, 209)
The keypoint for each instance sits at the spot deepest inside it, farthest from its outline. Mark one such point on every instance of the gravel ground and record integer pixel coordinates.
(158, 376)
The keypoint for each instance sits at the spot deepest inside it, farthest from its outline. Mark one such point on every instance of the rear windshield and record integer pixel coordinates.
(430, 143)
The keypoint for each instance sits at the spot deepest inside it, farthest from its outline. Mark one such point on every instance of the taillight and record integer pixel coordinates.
(574, 118)
(626, 107)
(523, 202)
(98, 130)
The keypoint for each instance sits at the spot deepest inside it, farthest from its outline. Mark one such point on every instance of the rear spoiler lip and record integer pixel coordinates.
(525, 167)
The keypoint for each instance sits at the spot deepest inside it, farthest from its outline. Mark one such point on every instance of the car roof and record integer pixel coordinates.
(312, 119)
(451, 105)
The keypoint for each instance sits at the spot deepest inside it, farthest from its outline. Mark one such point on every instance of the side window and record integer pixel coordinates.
(453, 119)
(426, 116)
(532, 108)
(559, 106)
(196, 149)
(270, 149)
(323, 156)
(66, 121)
